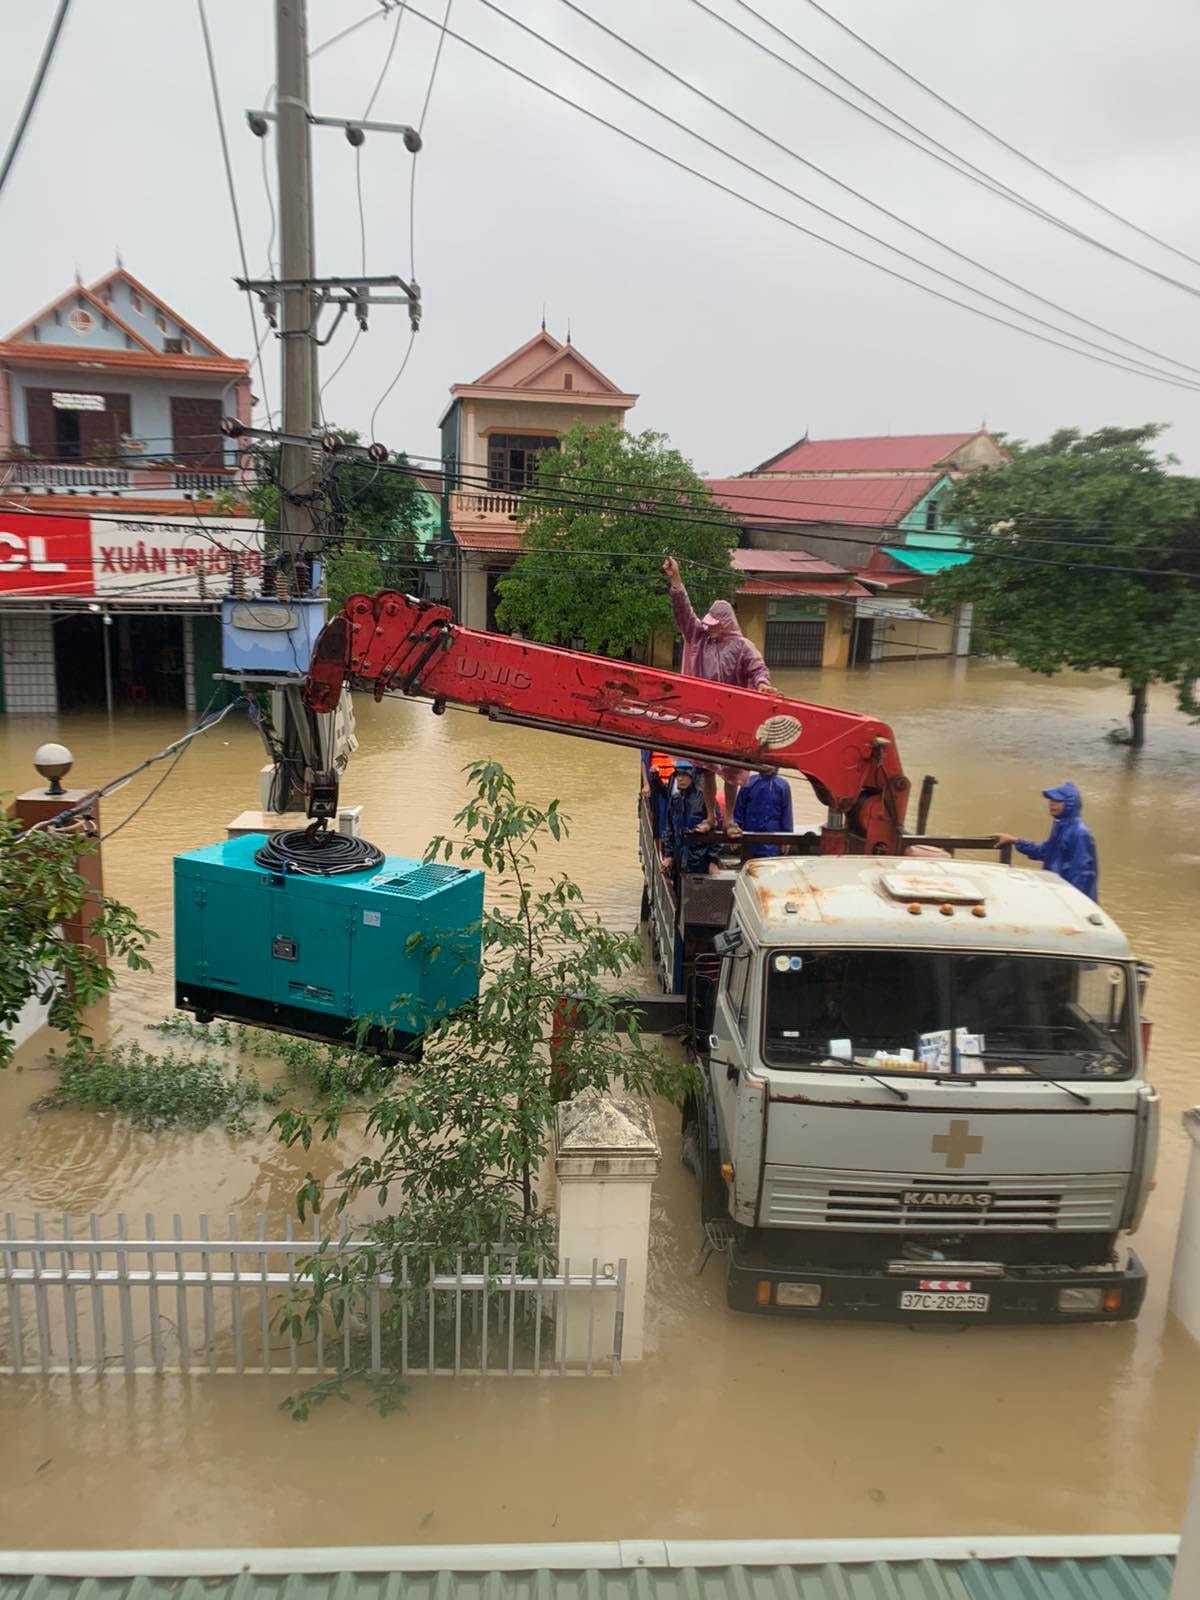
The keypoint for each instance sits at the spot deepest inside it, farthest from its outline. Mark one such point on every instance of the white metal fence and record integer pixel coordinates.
(93, 1297)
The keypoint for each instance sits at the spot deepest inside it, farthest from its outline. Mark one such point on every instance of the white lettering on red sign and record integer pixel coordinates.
(45, 555)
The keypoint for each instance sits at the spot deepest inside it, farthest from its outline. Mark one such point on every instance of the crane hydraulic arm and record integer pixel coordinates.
(396, 644)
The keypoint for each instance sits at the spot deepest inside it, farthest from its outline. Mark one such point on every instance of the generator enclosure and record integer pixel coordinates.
(311, 955)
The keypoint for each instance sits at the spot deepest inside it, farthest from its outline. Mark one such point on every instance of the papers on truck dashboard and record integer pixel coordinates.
(934, 1050)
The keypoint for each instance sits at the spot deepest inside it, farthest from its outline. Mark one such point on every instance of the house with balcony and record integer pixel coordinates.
(493, 431)
(110, 394)
(114, 552)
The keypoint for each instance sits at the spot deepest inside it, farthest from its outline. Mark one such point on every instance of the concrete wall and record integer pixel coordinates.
(473, 592)
(751, 612)
(905, 638)
(149, 401)
(27, 656)
(481, 417)
(839, 622)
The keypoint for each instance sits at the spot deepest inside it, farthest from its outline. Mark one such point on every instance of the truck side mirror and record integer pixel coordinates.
(728, 943)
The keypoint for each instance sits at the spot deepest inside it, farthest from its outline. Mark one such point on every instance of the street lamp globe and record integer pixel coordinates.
(53, 761)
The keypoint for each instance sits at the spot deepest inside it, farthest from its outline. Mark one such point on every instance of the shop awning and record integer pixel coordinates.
(927, 561)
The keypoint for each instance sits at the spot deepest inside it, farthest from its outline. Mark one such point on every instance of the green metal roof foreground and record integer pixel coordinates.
(1134, 1568)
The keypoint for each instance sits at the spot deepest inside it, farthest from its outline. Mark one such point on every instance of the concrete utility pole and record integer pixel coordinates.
(297, 306)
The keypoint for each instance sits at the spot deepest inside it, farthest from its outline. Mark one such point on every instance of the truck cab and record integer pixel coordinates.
(925, 1095)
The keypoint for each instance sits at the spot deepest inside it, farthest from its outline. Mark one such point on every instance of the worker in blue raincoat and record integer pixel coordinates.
(1071, 848)
(763, 806)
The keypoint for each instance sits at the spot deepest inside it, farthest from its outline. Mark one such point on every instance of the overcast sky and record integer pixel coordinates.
(738, 332)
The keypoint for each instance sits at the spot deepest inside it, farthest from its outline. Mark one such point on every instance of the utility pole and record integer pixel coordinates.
(307, 750)
(297, 310)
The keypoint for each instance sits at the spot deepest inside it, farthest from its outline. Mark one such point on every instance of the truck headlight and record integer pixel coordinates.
(1091, 1299)
(798, 1294)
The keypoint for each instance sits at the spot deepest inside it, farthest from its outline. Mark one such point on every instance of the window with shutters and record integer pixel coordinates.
(62, 433)
(196, 434)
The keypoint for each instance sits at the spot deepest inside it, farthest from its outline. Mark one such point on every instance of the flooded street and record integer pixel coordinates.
(732, 1427)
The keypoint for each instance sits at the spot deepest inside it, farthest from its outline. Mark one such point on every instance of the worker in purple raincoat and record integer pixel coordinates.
(714, 647)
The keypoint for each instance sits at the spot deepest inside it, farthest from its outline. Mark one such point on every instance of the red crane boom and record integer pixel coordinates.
(397, 644)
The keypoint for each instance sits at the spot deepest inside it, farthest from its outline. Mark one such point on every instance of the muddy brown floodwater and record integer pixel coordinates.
(732, 1427)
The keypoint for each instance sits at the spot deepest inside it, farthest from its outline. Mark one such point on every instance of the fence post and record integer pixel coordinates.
(607, 1157)
(1185, 1275)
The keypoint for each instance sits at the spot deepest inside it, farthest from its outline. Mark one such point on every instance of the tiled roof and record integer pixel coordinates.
(900, 452)
(838, 588)
(861, 502)
(792, 563)
(100, 360)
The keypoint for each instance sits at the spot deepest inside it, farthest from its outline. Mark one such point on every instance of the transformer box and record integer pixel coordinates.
(311, 955)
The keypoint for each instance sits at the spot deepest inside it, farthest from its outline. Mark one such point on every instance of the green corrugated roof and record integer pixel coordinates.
(927, 561)
(490, 1574)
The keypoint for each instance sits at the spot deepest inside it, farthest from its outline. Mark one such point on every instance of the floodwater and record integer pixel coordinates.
(732, 1427)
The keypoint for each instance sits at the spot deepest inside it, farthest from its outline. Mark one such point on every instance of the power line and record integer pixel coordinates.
(666, 514)
(777, 216)
(883, 210)
(35, 89)
(177, 745)
(482, 484)
(1005, 144)
(255, 339)
(967, 169)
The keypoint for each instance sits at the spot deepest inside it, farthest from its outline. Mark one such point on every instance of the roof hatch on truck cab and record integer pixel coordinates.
(929, 882)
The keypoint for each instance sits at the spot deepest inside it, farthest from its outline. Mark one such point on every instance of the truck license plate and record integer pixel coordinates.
(917, 1300)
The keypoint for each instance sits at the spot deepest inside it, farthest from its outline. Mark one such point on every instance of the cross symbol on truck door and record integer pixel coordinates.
(957, 1145)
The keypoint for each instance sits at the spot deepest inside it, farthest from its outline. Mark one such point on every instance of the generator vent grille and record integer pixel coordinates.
(424, 880)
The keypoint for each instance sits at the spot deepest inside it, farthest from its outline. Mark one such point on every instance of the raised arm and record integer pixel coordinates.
(686, 620)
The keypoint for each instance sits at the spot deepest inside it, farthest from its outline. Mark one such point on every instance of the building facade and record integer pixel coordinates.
(119, 502)
(492, 433)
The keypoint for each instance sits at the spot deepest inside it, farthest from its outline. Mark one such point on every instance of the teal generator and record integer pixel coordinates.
(311, 955)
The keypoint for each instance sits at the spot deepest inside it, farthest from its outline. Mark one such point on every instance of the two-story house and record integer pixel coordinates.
(111, 452)
(492, 433)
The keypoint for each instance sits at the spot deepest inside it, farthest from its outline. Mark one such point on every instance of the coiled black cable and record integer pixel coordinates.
(318, 855)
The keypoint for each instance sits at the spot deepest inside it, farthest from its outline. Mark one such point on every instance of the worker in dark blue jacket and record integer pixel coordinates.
(687, 813)
(764, 805)
(1071, 849)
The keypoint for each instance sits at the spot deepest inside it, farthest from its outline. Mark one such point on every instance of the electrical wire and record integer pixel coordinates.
(412, 339)
(966, 169)
(883, 210)
(35, 90)
(177, 745)
(605, 499)
(789, 222)
(255, 340)
(146, 799)
(1005, 144)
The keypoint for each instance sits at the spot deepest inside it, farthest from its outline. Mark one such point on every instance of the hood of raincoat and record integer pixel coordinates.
(1071, 798)
(720, 618)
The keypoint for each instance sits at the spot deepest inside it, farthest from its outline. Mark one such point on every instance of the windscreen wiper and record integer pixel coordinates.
(1045, 1077)
(823, 1055)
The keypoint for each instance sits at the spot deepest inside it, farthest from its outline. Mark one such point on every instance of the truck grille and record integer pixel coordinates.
(815, 1197)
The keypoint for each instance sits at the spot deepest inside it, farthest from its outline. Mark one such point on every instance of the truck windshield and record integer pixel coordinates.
(1012, 1015)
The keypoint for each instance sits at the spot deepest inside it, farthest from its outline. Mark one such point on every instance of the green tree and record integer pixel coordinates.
(41, 887)
(606, 507)
(371, 514)
(455, 1147)
(1044, 527)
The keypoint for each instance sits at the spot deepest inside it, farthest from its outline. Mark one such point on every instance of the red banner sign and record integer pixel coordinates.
(45, 555)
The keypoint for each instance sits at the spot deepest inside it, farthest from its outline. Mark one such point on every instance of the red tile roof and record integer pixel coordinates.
(901, 452)
(841, 588)
(862, 502)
